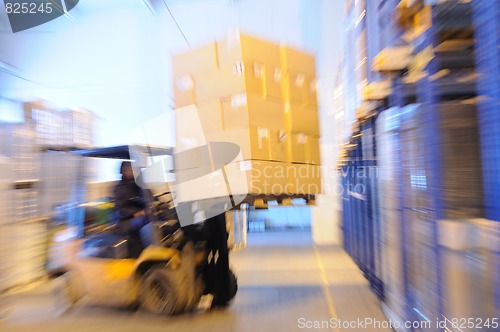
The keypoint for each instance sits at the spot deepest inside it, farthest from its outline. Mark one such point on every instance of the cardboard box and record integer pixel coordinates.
(256, 142)
(297, 147)
(304, 179)
(253, 141)
(262, 177)
(294, 88)
(211, 85)
(189, 136)
(302, 119)
(273, 83)
(195, 158)
(201, 59)
(278, 145)
(230, 80)
(237, 46)
(188, 129)
(311, 92)
(303, 149)
(255, 77)
(313, 150)
(247, 110)
(199, 186)
(295, 60)
(210, 114)
(184, 91)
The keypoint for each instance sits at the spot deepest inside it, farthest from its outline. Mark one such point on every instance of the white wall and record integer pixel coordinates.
(326, 213)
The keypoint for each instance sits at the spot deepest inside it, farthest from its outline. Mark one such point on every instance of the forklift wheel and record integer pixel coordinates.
(164, 291)
(233, 287)
(232, 290)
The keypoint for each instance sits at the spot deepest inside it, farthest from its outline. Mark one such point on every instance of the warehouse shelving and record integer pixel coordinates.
(428, 160)
(486, 23)
(33, 180)
(361, 220)
(487, 41)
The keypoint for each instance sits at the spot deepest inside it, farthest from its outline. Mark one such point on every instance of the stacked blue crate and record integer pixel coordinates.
(404, 95)
(441, 95)
(487, 42)
(372, 226)
(350, 204)
(345, 208)
(355, 220)
(391, 246)
(359, 220)
(361, 217)
(392, 232)
(359, 198)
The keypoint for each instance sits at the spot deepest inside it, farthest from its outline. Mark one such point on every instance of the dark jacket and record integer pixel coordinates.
(128, 200)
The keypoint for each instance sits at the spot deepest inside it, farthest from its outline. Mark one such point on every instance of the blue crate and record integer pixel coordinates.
(395, 290)
(359, 227)
(429, 97)
(487, 27)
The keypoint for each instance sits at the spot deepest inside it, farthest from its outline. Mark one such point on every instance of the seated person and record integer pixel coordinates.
(130, 205)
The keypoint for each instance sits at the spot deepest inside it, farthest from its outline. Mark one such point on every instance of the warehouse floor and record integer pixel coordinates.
(286, 284)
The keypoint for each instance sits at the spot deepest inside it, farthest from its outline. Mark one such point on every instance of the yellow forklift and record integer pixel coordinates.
(91, 261)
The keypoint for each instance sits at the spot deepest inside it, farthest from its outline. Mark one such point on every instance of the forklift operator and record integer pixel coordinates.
(130, 205)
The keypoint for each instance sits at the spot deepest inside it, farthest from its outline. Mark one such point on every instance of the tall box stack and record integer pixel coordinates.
(59, 128)
(24, 191)
(33, 180)
(257, 95)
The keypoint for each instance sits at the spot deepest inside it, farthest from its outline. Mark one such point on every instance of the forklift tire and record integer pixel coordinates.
(164, 291)
(233, 287)
(232, 290)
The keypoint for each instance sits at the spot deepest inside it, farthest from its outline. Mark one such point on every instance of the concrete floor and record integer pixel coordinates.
(285, 284)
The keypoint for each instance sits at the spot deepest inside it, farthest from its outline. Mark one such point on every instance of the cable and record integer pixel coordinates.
(173, 18)
(11, 70)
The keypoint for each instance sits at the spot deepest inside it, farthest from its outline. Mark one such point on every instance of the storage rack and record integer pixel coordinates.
(360, 209)
(449, 81)
(33, 179)
(487, 41)
(486, 23)
(428, 165)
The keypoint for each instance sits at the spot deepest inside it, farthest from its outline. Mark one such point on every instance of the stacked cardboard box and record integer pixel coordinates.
(32, 182)
(261, 97)
(59, 128)
(22, 253)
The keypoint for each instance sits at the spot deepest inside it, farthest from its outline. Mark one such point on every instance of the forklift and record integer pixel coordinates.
(91, 260)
